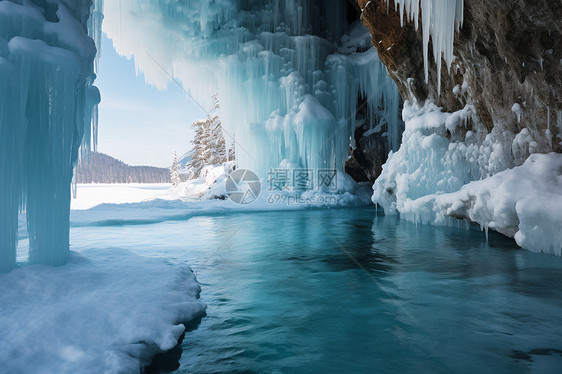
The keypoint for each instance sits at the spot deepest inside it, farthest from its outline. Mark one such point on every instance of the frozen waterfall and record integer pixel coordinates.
(289, 73)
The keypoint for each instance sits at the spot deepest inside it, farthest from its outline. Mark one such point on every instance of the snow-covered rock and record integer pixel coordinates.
(524, 203)
(449, 167)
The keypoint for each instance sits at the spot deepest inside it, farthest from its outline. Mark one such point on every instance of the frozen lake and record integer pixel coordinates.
(349, 291)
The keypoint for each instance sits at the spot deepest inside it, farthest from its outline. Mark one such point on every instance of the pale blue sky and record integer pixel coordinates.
(139, 124)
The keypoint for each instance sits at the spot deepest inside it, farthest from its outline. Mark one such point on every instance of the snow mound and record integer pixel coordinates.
(104, 312)
(524, 202)
(209, 184)
(430, 179)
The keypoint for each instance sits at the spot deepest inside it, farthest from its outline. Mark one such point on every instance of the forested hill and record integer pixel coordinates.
(102, 168)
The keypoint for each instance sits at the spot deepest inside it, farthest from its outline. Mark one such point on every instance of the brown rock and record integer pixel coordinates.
(507, 52)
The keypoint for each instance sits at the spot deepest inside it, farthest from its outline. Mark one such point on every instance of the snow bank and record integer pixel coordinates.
(165, 210)
(430, 178)
(440, 153)
(175, 207)
(106, 311)
(209, 184)
(524, 202)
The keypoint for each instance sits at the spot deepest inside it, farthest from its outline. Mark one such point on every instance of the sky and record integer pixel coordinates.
(139, 124)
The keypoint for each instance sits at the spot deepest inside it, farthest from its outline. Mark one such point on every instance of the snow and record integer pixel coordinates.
(90, 195)
(210, 183)
(104, 312)
(524, 202)
(178, 204)
(428, 161)
(449, 167)
(159, 210)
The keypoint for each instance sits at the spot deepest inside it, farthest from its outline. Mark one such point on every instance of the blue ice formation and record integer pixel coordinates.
(289, 73)
(47, 101)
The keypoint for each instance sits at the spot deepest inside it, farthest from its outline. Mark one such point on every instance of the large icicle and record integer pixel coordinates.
(440, 20)
(47, 98)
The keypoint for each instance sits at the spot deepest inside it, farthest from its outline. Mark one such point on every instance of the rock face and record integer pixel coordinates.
(506, 53)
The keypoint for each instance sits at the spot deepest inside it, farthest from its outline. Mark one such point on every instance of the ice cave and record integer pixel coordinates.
(448, 111)
(289, 76)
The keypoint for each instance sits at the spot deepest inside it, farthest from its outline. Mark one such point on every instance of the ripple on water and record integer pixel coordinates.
(341, 291)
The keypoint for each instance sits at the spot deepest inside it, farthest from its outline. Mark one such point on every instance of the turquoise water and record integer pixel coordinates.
(350, 291)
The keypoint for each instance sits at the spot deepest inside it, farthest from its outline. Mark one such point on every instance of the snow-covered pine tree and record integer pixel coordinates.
(209, 146)
(175, 171)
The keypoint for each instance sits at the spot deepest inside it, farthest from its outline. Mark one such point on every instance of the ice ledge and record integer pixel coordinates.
(524, 203)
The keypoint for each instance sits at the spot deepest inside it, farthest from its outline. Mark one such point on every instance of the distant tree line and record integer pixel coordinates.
(101, 168)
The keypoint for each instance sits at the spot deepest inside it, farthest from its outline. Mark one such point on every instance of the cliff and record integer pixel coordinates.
(473, 148)
(506, 53)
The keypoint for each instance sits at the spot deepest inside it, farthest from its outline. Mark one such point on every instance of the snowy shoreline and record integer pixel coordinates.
(110, 310)
(512, 202)
(105, 311)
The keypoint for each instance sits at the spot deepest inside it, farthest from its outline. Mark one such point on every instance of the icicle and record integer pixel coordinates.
(440, 19)
(287, 92)
(516, 108)
(559, 123)
(46, 76)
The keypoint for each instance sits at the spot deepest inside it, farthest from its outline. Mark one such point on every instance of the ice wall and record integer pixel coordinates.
(46, 104)
(289, 73)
